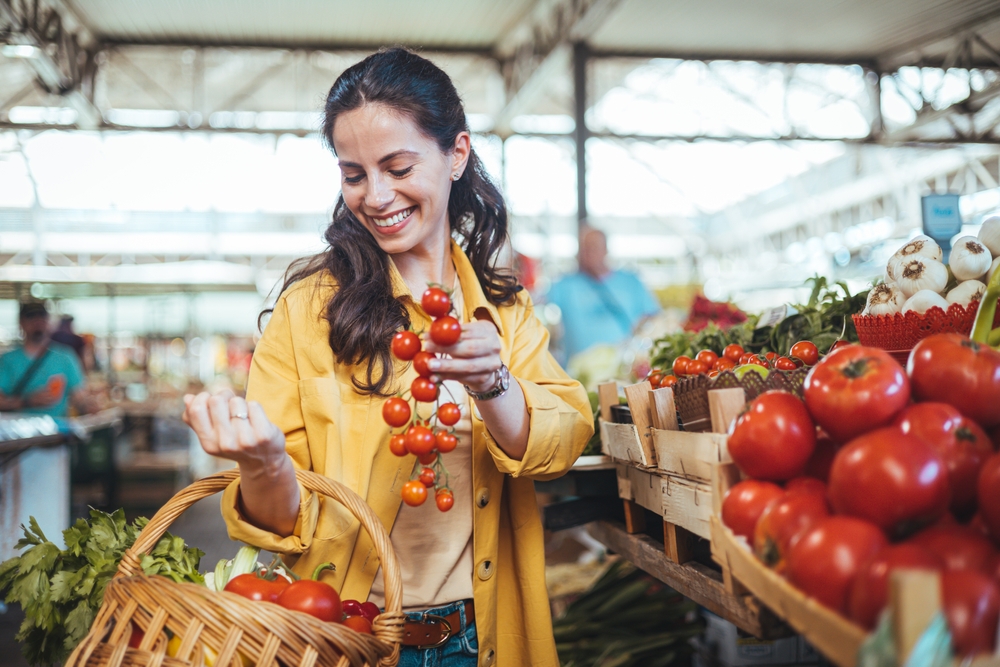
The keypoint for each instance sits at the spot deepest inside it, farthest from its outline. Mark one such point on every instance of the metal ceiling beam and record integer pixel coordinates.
(540, 46)
(272, 45)
(61, 52)
(598, 53)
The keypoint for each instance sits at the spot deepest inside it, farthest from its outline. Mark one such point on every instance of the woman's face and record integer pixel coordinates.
(395, 179)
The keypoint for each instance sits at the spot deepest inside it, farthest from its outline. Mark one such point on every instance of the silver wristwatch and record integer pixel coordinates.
(499, 388)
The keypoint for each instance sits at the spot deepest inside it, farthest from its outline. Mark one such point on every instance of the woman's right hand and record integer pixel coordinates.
(231, 428)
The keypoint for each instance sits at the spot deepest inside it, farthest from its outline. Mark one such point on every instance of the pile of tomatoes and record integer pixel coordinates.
(309, 596)
(733, 357)
(424, 437)
(880, 468)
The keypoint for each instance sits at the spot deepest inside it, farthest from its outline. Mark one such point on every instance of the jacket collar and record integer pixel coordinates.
(476, 303)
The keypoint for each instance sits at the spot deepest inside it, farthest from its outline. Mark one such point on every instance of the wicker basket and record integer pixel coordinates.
(691, 393)
(239, 631)
(899, 333)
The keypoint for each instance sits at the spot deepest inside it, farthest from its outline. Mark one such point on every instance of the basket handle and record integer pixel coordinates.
(312, 481)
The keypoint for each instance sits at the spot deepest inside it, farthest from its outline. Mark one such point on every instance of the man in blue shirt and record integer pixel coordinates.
(598, 305)
(40, 376)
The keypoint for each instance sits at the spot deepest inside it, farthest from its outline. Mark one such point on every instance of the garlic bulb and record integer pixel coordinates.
(966, 292)
(989, 234)
(916, 248)
(924, 300)
(921, 273)
(969, 259)
(884, 299)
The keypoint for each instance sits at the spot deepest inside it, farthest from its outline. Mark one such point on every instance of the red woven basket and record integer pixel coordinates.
(899, 333)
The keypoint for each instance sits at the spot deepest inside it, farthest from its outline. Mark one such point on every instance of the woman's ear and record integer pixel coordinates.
(460, 154)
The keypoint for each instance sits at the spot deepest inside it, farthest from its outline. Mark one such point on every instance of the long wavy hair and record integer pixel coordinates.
(363, 314)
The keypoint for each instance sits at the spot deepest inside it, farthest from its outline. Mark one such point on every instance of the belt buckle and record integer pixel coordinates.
(447, 634)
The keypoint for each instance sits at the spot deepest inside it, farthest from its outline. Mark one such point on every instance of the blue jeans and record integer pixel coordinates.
(461, 649)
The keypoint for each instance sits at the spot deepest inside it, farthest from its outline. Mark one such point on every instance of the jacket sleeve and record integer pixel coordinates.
(273, 382)
(560, 419)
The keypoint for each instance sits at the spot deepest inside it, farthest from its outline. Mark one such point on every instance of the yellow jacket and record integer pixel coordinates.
(332, 429)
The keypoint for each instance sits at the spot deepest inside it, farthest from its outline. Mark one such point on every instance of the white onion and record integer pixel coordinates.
(989, 234)
(920, 273)
(923, 301)
(918, 246)
(969, 259)
(884, 299)
(966, 292)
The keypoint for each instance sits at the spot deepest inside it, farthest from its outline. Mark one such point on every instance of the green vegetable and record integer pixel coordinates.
(983, 324)
(245, 562)
(626, 619)
(60, 590)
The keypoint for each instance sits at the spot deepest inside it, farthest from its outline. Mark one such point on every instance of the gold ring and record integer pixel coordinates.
(240, 415)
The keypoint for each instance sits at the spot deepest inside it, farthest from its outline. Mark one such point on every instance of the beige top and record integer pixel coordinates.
(434, 548)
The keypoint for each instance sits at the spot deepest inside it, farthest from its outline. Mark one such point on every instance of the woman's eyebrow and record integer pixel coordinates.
(383, 160)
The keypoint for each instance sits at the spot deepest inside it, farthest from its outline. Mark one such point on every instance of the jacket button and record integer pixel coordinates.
(485, 570)
(489, 658)
(482, 498)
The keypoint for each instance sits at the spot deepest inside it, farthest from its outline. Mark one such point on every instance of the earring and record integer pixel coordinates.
(455, 177)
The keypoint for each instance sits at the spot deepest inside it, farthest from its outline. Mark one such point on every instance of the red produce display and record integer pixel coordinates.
(870, 589)
(774, 438)
(988, 489)
(783, 522)
(959, 547)
(971, 602)
(950, 368)
(745, 502)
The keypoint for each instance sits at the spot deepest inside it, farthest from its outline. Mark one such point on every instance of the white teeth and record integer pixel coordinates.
(394, 220)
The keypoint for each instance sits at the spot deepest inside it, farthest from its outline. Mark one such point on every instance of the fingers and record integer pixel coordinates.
(478, 339)
(470, 366)
(239, 420)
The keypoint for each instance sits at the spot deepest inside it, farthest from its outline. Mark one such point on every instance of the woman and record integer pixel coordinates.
(416, 208)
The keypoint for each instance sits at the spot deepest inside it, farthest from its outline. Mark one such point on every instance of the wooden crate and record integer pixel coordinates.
(693, 455)
(631, 443)
(833, 635)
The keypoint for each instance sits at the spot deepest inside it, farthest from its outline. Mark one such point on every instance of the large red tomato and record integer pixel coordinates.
(961, 442)
(894, 480)
(870, 589)
(855, 389)
(825, 559)
(960, 547)
(989, 495)
(952, 369)
(971, 602)
(745, 502)
(785, 520)
(774, 438)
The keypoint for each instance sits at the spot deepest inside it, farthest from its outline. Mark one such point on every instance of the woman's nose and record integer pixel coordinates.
(378, 194)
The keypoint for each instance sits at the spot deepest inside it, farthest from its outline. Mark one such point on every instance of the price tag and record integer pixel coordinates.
(772, 317)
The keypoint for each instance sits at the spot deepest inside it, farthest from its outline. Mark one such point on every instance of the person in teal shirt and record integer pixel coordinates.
(598, 304)
(40, 376)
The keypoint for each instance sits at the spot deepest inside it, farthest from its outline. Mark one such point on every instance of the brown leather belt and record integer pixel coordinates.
(434, 631)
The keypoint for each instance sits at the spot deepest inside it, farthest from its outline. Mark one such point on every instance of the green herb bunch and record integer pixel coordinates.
(60, 590)
(627, 619)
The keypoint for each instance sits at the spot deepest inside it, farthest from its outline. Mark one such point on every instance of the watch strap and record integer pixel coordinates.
(500, 385)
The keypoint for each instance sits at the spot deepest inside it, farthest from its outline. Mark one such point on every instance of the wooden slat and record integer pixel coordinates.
(687, 503)
(691, 455)
(624, 444)
(724, 405)
(915, 597)
(635, 517)
(693, 580)
(607, 394)
(638, 404)
(678, 543)
(664, 410)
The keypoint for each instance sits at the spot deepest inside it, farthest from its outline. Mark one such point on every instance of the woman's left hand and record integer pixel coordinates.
(475, 358)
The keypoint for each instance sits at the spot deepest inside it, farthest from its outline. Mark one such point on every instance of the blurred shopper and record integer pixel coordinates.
(598, 304)
(410, 184)
(40, 376)
(64, 334)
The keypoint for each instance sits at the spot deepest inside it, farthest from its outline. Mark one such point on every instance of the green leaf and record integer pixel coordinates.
(78, 624)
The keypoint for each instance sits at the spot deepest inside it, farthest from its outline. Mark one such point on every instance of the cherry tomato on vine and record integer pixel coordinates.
(405, 344)
(435, 302)
(449, 414)
(445, 500)
(654, 377)
(396, 412)
(668, 381)
(746, 357)
(424, 390)
(837, 344)
(427, 477)
(420, 360)
(446, 442)
(446, 331)
(414, 493)
(680, 365)
(708, 356)
(733, 351)
(428, 458)
(770, 356)
(419, 440)
(697, 367)
(397, 445)
(806, 351)
(784, 364)
(724, 364)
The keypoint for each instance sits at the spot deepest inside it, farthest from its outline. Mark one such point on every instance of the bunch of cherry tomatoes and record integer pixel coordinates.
(880, 467)
(709, 362)
(425, 437)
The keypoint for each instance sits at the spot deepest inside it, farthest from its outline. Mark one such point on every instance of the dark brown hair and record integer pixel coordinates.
(363, 314)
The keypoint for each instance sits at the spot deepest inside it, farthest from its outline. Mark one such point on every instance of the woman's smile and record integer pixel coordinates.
(390, 224)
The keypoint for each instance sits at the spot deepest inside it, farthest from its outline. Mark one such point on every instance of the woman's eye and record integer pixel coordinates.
(353, 179)
(399, 173)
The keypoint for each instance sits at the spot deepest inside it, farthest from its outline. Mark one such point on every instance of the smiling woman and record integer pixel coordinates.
(416, 207)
